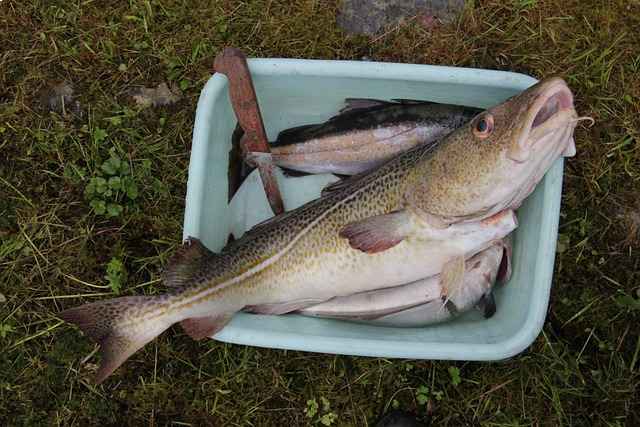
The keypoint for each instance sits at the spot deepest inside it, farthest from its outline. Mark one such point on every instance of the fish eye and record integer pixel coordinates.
(483, 126)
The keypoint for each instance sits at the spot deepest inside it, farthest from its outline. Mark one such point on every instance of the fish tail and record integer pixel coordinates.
(116, 325)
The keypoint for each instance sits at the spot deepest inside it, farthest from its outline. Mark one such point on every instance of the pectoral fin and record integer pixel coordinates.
(377, 233)
(452, 276)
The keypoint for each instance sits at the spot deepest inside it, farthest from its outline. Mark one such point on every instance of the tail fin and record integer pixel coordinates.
(117, 325)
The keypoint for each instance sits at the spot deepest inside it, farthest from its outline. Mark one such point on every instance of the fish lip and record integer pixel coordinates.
(554, 87)
(498, 214)
(506, 215)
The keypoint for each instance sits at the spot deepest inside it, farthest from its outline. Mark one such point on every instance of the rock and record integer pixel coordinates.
(370, 16)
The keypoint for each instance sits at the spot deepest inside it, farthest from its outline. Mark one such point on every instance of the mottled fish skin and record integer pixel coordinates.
(420, 303)
(364, 138)
(368, 232)
(296, 256)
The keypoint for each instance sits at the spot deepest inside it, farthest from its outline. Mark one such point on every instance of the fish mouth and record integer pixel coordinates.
(551, 102)
(551, 111)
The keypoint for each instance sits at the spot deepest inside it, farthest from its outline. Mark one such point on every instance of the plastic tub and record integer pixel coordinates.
(293, 92)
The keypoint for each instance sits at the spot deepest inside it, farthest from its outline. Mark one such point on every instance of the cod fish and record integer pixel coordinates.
(424, 302)
(365, 134)
(424, 212)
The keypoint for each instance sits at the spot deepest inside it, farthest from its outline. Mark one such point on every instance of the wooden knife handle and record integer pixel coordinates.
(232, 63)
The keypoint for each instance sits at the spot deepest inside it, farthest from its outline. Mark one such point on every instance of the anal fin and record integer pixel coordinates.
(281, 308)
(203, 327)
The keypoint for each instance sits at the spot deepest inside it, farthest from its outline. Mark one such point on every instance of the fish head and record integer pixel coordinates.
(543, 118)
(495, 161)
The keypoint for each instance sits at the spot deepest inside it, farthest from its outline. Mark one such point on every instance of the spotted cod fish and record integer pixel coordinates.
(424, 212)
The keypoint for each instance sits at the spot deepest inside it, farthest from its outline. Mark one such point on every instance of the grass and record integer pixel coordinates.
(56, 252)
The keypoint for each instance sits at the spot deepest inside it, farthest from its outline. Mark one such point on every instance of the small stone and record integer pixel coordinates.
(159, 96)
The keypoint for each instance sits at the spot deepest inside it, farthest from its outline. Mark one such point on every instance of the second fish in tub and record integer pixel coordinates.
(365, 134)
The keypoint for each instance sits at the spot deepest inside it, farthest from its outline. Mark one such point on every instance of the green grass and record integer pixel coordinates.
(56, 252)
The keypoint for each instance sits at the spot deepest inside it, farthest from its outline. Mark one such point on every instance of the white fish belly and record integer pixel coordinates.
(340, 275)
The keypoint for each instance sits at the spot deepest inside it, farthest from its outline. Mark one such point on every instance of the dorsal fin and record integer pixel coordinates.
(412, 101)
(354, 104)
(364, 104)
(270, 221)
(337, 185)
(256, 230)
(344, 182)
(294, 135)
(186, 263)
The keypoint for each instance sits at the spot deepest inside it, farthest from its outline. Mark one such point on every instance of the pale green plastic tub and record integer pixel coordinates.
(293, 92)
